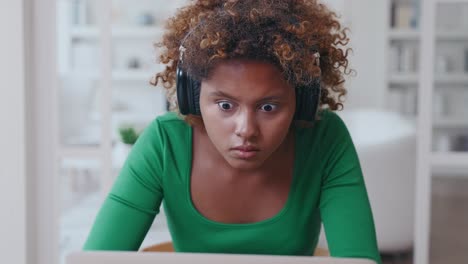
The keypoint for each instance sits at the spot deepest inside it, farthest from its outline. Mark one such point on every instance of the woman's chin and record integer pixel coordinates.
(244, 164)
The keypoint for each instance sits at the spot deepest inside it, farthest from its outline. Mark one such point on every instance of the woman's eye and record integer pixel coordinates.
(225, 106)
(268, 107)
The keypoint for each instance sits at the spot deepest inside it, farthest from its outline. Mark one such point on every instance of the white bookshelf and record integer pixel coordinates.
(429, 42)
(405, 47)
(97, 52)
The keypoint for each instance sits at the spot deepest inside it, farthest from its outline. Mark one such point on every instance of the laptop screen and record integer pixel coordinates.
(116, 257)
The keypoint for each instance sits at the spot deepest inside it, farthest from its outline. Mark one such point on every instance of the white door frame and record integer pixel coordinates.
(41, 81)
(12, 135)
(28, 190)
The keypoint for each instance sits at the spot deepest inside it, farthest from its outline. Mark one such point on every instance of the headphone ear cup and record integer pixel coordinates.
(308, 101)
(299, 100)
(194, 100)
(188, 93)
(182, 93)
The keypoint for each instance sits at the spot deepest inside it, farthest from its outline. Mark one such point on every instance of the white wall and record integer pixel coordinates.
(367, 21)
(12, 134)
(368, 39)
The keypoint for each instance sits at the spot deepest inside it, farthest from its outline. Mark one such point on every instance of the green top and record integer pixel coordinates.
(327, 186)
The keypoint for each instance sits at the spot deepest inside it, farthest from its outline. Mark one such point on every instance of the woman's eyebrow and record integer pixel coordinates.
(220, 94)
(267, 98)
(272, 98)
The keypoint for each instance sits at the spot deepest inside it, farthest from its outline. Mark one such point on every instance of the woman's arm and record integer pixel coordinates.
(344, 205)
(135, 198)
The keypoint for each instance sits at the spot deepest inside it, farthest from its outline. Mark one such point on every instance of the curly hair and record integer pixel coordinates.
(286, 33)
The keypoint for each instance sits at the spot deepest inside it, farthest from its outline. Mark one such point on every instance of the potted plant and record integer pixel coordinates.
(128, 135)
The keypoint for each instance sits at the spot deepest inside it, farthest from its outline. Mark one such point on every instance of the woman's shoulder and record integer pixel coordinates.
(169, 121)
(333, 128)
(165, 127)
(326, 129)
(329, 116)
(326, 119)
(169, 117)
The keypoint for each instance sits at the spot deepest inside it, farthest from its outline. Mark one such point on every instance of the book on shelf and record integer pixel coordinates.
(404, 14)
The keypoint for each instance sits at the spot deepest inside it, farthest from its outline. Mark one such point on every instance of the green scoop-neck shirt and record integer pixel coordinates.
(327, 187)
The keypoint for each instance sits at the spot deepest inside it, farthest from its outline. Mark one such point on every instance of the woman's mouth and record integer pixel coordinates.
(245, 152)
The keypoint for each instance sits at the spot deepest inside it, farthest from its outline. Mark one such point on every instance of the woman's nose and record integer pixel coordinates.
(246, 125)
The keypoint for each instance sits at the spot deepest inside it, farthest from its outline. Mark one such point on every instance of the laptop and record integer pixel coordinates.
(116, 257)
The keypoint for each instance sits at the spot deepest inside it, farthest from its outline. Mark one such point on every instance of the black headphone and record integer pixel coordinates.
(188, 94)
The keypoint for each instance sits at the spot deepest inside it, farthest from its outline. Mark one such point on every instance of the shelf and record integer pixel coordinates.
(413, 34)
(413, 78)
(452, 35)
(450, 122)
(404, 34)
(84, 152)
(89, 158)
(119, 118)
(404, 78)
(83, 164)
(450, 162)
(118, 75)
(137, 118)
(452, 78)
(133, 75)
(92, 32)
(84, 32)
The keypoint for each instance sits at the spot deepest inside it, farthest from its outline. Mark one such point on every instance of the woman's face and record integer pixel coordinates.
(247, 108)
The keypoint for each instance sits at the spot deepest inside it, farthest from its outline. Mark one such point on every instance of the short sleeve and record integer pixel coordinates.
(344, 205)
(135, 198)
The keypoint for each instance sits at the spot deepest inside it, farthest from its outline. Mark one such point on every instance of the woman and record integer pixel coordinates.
(256, 159)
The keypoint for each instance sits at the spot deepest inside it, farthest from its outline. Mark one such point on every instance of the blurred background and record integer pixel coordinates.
(75, 94)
